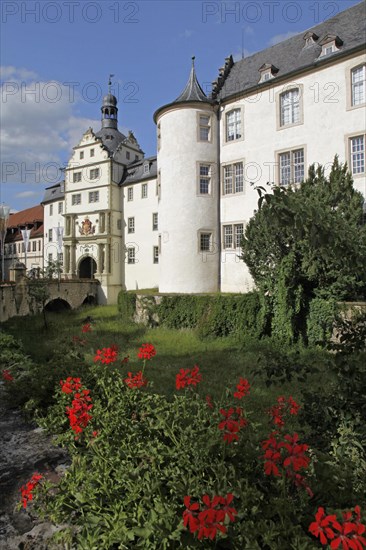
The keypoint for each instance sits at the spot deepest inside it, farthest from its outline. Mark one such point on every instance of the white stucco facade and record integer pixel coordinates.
(173, 222)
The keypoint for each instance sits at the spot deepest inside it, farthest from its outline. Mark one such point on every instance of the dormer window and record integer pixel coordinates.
(267, 72)
(310, 39)
(146, 168)
(330, 44)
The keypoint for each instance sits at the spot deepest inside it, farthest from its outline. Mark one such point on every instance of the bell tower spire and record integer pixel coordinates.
(109, 108)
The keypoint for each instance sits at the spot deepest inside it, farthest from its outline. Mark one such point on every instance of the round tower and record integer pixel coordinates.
(188, 192)
(109, 111)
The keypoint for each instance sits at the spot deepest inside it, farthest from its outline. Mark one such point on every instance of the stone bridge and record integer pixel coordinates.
(15, 299)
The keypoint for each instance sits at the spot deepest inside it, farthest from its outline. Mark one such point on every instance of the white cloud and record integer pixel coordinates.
(186, 34)
(248, 30)
(28, 194)
(240, 55)
(281, 37)
(16, 73)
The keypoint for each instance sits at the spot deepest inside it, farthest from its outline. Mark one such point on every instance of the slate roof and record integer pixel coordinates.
(53, 193)
(134, 172)
(111, 138)
(290, 55)
(191, 93)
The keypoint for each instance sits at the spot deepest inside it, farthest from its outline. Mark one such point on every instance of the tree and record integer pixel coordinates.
(308, 241)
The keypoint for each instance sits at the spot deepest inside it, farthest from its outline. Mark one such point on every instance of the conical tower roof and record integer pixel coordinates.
(192, 93)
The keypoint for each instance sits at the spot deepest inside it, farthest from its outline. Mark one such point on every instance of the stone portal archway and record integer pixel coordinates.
(87, 268)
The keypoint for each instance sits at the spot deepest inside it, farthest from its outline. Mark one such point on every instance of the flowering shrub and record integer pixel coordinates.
(137, 456)
(7, 376)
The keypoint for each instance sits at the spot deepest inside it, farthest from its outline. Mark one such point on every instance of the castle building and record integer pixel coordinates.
(174, 222)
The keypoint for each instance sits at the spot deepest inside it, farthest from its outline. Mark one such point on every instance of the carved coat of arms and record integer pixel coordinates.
(86, 227)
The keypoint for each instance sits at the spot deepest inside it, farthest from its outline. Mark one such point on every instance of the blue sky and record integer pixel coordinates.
(56, 57)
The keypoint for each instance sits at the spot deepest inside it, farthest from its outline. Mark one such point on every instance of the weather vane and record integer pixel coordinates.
(110, 82)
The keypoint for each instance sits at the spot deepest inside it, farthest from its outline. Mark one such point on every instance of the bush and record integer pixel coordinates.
(214, 316)
(126, 304)
(321, 320)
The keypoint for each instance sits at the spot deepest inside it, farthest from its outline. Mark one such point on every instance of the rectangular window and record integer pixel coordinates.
(233, 178)
(50, 235)
(34, 246)
(76, 177)
(233, 125)
(128, 155)
(131, 255)
(81, 155)
(204, 128)
(159, 136)
(291, 167)
(290, 107)
(358, 85)
(155, 254)
(357, 154)
(94, 173)
(93, 196)
(92, 152)
(205, 179)
(205, 242)
(232, 235)
(119, 224)
(144, 191)
(61, 257)
(39, 246)
(51, 209)
(131, 225)
(130, 193)
(76, 199)
(146, 168)
(155, 221)
(50, 257)
(60, 207)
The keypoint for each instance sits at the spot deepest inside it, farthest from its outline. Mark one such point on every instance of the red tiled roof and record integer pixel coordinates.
(27, 216)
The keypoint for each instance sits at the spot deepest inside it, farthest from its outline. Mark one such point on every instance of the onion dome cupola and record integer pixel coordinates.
(192, 93)
(109, 109)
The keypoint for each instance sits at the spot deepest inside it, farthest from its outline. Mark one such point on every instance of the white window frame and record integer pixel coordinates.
(290, 111)
(131, 225)
(146, 168)
(51, 209)
(155, 254)
(92, 152)
(204, 124)
(81, 155)
(130, 194)
(290, 165)
(76, 199)
(204, 178)
(144, 190)
(131, 255)
(357, 157)
(359, 85)
(60, 207)
(155, 221)
(233, 178)
(50, 235)
(234, 127)
(202, 241)
(76, 177)
(231, 235)
(94, 174)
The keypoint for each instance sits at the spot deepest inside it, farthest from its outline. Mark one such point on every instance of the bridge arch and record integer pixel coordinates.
(57, 305)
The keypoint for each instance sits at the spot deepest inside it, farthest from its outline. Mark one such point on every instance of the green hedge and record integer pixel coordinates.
(214, 315)
(126, 304)
(321, 320)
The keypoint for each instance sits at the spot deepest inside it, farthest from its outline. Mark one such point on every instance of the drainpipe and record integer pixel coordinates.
(219, 194)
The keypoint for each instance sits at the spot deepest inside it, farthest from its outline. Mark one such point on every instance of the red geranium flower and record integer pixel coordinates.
(188, 377)
(106, 355)
(7, 376)
(209, 519)
(70, 385)
(26, 490)
(86, 328)
(147, 351)
(209, 401)
(137, 381)
(231, 426)
(78, 413)
(242, 388)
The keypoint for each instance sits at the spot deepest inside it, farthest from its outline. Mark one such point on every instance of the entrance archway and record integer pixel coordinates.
(87, 268)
